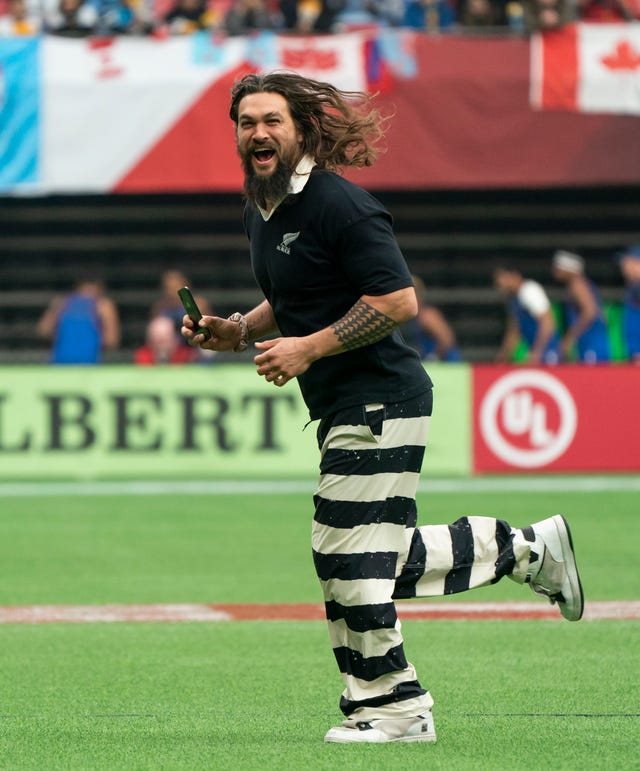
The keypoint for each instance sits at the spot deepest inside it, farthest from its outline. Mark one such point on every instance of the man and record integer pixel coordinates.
(82, 324)
(429, 332)
(586, 325)
(163, 345)
(337, 288)
(629, 261)
(530, 318)
(170, 305)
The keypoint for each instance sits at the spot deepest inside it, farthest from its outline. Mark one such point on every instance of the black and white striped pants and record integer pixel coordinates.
(368, 551)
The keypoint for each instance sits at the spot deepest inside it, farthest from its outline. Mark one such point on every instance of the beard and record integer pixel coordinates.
(261, 190)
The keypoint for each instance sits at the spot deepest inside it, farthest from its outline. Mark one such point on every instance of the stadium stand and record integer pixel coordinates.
(449, 239)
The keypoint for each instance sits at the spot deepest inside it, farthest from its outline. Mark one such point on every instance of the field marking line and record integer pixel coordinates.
(463, 485)
(202, 612)
(89, 614)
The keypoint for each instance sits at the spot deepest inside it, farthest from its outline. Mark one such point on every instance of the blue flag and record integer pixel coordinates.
(19, 112)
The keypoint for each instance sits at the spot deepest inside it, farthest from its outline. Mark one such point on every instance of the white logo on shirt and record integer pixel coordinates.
(287, 238)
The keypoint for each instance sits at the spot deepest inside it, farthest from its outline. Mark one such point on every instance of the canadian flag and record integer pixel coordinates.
(588, 68)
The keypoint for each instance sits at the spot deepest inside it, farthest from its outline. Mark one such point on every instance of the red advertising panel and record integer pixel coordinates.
(569, 418)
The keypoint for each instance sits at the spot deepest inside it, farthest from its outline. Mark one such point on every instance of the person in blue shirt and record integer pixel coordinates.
(530, 318)
(81, 324)
(429, 332)
(629, 261)
(586, 326)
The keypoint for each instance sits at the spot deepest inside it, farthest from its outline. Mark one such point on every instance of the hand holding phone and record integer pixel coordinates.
(193, 311)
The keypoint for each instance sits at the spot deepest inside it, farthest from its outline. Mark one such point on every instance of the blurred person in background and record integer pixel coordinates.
(169, 305)
(305, 16)
(481, 13)
(19, 20)
(629, 262)
(389, 12)
(82, 324)
(586, 326)
(123, 17)
(608, 11)
(429, 15)
(246, 16)
(429, 332)
(336, 289)
(530, 317)
(187, 16)
(541, 15)
(73, 18)
(164, 345)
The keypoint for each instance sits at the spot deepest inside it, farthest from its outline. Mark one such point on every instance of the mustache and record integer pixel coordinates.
(249, 150)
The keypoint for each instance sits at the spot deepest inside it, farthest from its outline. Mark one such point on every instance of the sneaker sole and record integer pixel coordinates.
(343, 735)
(574, 611)
(427, 737)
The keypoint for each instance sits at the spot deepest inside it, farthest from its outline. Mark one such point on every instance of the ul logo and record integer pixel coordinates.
(528, 418)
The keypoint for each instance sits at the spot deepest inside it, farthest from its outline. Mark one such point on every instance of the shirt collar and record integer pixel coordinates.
(298, 180)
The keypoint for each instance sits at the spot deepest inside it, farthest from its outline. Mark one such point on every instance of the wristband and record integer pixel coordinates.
(244, 331)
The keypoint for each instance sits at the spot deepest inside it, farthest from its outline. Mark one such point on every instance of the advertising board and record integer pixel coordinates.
(198, 422)
(570, 418)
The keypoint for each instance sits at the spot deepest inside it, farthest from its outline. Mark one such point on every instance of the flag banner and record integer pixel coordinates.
(590, 68)
(150, 115)
(122, 113)
(19, 112)
(108, 102)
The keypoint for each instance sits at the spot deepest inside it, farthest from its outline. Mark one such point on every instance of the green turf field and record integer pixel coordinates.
(260, 695)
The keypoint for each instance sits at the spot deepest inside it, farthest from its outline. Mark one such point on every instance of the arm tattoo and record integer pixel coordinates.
(362, 325)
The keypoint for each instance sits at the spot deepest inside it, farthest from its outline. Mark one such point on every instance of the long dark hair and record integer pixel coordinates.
(339, 128)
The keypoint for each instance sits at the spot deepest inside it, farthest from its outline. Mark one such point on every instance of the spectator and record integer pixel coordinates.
(586, 325)
(247, 16)
(18, 20)
(530, 318)
(73, 18)
(541, 15)
(629, 261)
(429, 332)
(81, 324)
(169, 303)
(123, 17)
(389, 12)
(431, 15)
(187, 16)
(481, 13)
(306, 16)
(164, 345)
(608, 11)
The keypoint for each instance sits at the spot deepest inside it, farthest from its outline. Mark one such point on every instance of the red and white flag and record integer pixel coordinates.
(121, 114)
(592, 68)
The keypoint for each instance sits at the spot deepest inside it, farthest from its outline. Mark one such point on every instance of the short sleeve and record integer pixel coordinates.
(534, 299)
(359, 231)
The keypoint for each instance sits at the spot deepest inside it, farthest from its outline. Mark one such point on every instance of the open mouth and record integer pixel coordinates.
(264, 155)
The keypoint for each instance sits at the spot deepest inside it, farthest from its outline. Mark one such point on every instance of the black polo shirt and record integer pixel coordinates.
(318, 253)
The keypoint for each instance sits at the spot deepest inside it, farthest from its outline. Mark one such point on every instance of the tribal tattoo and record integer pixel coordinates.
(362, 325)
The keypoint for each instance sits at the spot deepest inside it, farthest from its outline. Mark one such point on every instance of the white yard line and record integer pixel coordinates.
(464, 485)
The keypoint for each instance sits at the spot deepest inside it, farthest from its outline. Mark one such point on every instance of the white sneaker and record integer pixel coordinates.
(555, 574)
(410, 729)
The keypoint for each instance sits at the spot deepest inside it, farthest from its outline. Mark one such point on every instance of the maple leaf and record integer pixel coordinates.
(625, 57)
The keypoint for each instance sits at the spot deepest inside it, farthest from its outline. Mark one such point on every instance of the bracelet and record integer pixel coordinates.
(244, 331)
